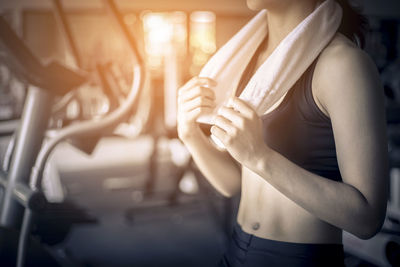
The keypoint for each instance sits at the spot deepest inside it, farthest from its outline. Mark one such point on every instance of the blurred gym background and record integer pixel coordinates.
(139, 199)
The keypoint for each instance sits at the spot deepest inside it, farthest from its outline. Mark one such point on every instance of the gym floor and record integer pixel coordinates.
(184, 234)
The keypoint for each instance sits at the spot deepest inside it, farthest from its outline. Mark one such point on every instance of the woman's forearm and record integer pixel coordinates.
(220, 169)
(194, 99)
(337, 203)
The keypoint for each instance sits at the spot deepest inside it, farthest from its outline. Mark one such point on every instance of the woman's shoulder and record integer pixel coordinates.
(343, 68)
(341, 56)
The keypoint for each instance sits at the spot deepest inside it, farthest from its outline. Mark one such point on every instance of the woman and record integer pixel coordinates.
(314, 166)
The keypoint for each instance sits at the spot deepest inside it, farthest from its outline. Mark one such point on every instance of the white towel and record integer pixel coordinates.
(281, 69)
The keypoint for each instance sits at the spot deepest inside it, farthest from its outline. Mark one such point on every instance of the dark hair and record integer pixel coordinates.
(354, 24)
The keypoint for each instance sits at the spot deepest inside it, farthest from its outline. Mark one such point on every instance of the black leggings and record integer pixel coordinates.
(248, 250)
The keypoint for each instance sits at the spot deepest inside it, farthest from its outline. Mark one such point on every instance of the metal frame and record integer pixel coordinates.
(29, 139)
(22, 184)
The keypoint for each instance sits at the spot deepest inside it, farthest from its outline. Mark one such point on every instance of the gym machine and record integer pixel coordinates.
(22, 198)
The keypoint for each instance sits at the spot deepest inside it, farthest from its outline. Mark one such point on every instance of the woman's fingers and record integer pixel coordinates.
(242, 107)
(220, 134)
(194, 100)
(197, 103)
(197, 81)
(226, 125)
(196, 92)
(233, 116)
(208, 81)
(193, 114)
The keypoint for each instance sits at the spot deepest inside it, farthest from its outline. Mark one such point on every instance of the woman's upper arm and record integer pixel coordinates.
(347, 85)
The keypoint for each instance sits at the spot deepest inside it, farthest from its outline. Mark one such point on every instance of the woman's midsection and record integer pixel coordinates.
(267, 213)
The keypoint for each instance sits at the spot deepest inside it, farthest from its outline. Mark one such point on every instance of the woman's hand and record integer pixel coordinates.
(194, 99)
(239, 128)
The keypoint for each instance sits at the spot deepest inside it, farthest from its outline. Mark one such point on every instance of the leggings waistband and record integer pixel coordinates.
(248, 241)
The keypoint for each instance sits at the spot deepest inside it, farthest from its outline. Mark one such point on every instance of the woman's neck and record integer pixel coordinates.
(282, 19)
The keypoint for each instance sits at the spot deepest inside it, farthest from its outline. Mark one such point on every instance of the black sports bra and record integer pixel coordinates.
(298, 129)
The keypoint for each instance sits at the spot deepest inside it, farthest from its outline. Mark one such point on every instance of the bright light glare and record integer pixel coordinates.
(159, 30)
(189, 184)
(202, 38)
(158, 33)
(202, 17)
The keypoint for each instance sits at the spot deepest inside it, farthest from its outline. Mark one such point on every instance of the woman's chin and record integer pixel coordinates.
(267, 4)
(255, 4)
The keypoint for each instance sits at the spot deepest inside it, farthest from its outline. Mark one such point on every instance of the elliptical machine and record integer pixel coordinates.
(22, 197)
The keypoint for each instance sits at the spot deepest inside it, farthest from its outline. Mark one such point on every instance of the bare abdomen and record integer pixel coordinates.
(267, 213)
